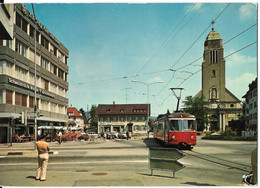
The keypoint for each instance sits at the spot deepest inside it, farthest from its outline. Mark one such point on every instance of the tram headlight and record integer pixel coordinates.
(173, 137)
(191, 137)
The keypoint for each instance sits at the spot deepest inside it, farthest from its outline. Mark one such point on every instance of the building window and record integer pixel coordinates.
(9, 97)
(31, 102)
(18, 20)
(20, 48)
(213, 56)
(32, 30)
(20, 73)
(18, 99)
(24, 100)
(44, 42)
(44, 63)
(60, 73)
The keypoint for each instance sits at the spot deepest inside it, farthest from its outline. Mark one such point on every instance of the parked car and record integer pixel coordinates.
(83, 137)
(109, 135)
(122, 135)
(114, 134)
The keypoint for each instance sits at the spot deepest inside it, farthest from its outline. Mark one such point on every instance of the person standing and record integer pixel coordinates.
(127, 135)
(43, 157)
(60, 137)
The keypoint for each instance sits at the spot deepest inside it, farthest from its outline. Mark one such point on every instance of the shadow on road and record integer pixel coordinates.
(31, 177)
(198, 184)
(161, 176)
(150, 142)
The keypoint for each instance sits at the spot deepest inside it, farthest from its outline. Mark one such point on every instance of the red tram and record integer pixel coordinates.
(177, 129)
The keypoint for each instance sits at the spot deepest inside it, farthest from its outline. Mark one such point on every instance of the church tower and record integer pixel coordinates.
(213, 68)
(224, 106)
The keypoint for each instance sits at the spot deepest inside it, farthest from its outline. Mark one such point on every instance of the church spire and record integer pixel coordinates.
(212, 23)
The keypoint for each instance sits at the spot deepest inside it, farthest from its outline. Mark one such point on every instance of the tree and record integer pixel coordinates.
(197, 107)
(93, 117)
(82, 112)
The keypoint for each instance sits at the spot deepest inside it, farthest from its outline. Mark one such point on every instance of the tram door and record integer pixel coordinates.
(166, 130)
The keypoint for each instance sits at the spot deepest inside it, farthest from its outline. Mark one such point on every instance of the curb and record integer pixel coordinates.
(30, 153)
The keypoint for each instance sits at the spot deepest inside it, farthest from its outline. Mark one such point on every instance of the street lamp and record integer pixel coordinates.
(148, 85)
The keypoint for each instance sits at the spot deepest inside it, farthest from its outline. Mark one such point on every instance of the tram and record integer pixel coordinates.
(177, 129)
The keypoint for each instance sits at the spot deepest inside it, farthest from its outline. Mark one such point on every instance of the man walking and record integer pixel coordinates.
(43, 157)
(60, 137)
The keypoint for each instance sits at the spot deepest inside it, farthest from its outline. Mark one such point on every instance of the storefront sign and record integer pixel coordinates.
(38, 23)
(30, 87)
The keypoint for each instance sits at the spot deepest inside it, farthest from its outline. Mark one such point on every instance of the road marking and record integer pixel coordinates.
(76, 162)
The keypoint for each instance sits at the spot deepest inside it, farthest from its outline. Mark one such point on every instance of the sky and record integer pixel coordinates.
(111, 44)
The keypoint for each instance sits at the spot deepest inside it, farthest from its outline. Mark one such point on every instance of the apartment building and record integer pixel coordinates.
(251, 106)
(17, 73)
(123, 117)
(76, 119)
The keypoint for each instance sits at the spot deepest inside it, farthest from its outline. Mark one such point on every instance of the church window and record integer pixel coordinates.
(213, 56)
(213, 93)
(213, 73)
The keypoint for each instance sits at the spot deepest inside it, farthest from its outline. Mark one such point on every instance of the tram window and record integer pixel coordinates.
(188, 125)
(176, 125)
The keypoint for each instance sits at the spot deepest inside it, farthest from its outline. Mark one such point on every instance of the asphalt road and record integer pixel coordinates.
(125, 163)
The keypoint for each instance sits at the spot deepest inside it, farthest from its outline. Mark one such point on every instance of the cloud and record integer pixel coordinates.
(195, 7)
(247, 11)
(156, 79)
(239, 85)
(239, 59)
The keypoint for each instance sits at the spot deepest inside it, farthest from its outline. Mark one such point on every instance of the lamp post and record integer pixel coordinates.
(148, 88)
(35, 88)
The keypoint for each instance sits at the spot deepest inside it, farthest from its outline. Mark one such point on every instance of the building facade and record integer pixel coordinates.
(76, 119)
(224, 106)
(17, 62)
(123, 117)
(6, 21)
(251, 107)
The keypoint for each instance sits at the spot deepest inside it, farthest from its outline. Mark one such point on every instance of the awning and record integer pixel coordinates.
(8, 115)
(47, 127)
(52, 119)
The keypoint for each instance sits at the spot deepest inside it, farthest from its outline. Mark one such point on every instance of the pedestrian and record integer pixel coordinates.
(127, 135)
(43, 157)
(60, 137)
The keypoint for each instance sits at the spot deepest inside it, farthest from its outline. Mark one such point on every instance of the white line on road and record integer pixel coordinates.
(76, 162)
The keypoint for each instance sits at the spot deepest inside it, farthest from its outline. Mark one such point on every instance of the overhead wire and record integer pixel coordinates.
(164, 70)
(194, 44)
(167, 41)
(208, 65)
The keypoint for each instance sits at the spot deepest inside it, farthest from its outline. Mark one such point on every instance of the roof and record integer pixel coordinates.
(74, 111)
(125, 109)
(213, 35)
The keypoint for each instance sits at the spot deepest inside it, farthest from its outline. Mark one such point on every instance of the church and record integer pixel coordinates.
(224, 106)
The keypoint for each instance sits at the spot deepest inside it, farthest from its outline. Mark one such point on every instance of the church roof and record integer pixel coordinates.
(213, 35)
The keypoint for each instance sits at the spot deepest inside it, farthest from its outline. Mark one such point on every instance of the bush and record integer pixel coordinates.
(227, 137)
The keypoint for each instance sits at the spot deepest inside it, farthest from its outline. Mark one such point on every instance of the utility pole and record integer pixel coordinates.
(126, 94)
